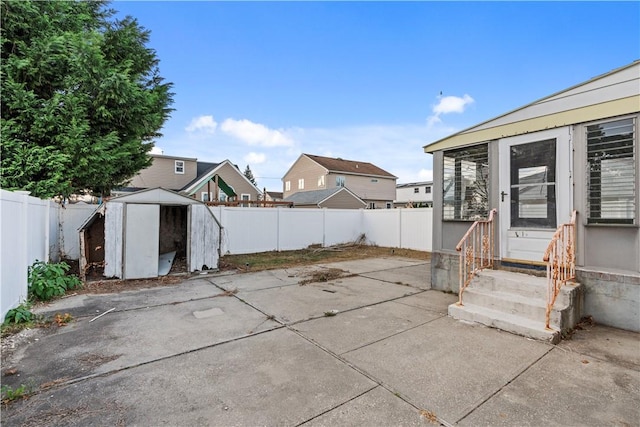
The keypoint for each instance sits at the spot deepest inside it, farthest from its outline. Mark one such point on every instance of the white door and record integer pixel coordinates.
(141, 241)
(535, 192)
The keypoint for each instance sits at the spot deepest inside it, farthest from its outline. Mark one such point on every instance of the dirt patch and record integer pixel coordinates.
(108, 286)
(93, 360)
(324, 275)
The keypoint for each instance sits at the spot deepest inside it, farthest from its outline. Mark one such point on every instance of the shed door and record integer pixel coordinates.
(535, 192)
(141, 241)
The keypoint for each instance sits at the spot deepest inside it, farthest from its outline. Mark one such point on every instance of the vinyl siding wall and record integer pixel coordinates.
(384, 190)
(161, 173)
(342, 200)
(307, 169)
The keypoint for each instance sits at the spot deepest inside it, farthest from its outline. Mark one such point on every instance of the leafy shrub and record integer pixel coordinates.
(20, 314)
(48, 280)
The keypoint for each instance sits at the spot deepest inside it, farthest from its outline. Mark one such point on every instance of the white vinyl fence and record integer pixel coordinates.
(251, 230)
(34, 229)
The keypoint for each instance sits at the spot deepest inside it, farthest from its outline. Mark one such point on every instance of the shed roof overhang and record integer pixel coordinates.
(587, 113)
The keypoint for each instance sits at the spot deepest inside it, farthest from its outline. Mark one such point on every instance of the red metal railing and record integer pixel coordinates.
(560, 257)
(476, 251)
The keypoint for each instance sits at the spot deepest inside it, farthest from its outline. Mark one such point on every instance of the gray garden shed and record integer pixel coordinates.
(132, 235)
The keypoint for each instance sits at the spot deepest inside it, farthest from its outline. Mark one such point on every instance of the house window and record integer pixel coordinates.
(416, 190)
(301, 184)
(340, 181)
(427, 190)
(245, 197)
(465, 183)
(389, 205)
(222, 196)
(179, 167)
(204, 196)
(321, 181)
(372, 205)
(287, 186)
(611, 172)
(374, 180)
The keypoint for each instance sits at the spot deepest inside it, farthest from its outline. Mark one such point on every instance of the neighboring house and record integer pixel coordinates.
(414, 195)
(574, 150)
(335, 198)
(203, 181)
(273, 196)
(214, 177)
(375, 186)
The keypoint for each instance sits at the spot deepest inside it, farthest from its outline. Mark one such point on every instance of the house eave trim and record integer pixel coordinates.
(588, 113)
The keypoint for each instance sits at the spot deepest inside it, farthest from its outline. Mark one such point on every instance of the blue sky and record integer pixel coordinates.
(259, 83)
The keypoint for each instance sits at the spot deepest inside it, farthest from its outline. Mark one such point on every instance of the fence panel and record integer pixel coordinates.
(247, 230)
(415, 228)
(299, 228)
(342, 225)
(71, 218)
(382, 227)
(26, 233)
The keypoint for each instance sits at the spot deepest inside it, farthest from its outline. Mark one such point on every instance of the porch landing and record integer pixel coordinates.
(516, 302)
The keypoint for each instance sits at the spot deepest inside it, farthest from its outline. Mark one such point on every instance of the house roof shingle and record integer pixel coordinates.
(349, 166)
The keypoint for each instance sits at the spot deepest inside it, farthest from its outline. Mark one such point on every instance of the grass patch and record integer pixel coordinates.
(287, 259)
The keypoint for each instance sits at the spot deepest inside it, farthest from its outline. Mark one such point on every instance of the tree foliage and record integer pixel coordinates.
(249, 175)
(82, 97)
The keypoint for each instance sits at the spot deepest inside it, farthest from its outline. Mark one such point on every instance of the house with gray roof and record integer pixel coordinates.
(370, 183)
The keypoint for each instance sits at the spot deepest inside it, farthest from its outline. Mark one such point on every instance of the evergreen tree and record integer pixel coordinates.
(249, 175)
(82, 97)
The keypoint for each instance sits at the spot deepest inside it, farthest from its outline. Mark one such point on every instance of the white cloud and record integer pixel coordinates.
(452, 104)
(447, 105)
(204, 124)
(255, 158)
(256, 133)
(156, 150)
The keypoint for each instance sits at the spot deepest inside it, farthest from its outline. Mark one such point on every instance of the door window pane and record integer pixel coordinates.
(533, 186)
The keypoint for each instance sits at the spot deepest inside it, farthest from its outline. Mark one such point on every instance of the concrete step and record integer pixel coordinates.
(520, 284)
(524, 306)
(504, 321)
(516, 302)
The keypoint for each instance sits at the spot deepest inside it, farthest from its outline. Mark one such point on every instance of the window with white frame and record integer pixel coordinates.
(427, 190)
(465, 183)
(611, 172)
(179, 167)
(416, 190)
(204, 196)
(222, 196)
(340, 181)
(389, 205)
(301, 184)
(321, 181)
(244, 198)
(287, 186)
(372, 205)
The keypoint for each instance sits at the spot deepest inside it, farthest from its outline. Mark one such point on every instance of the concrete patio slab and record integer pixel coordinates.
(448, 367)
(607, 344)
(275, 378)
(418, 276)
(130, 337)
(262, 280)
(292, 304)
(565, 389)
(369, 265)
(186, 355)
(436, 301)
(354, 329)
(377, 407)
(92, 305)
